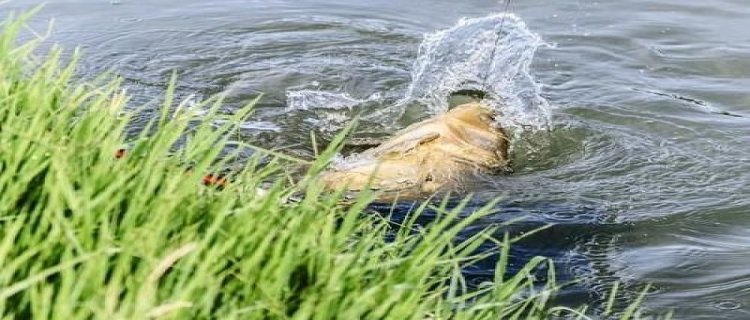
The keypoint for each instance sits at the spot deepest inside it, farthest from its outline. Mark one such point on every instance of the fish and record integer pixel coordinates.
(439, 154)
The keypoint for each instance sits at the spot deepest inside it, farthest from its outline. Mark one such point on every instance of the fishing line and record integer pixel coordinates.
(497, 43)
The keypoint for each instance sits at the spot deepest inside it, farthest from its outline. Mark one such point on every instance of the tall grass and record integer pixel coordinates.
(88, 234)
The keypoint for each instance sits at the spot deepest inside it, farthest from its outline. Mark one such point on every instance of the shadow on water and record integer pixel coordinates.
(571, 236)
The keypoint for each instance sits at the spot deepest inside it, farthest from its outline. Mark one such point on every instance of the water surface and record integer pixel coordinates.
(639, 147)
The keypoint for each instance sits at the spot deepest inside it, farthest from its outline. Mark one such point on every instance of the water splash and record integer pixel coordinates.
(330, 111)
(465, 57)
(316, 99)
(468, 55)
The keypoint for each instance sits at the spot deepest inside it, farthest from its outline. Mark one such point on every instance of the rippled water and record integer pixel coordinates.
(645, 168)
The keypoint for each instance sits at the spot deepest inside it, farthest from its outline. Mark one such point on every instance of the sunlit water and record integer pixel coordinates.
(632, 117)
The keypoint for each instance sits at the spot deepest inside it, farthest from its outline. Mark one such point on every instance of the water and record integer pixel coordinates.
(644, 169)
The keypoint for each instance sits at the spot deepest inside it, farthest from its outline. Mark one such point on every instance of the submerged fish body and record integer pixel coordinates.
(434, 155)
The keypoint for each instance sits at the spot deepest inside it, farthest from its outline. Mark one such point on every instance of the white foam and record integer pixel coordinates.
(316, 99)
(468, 55)
(465, 57)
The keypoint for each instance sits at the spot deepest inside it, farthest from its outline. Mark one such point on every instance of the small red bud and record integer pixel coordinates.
(212, 180)
(120, 153)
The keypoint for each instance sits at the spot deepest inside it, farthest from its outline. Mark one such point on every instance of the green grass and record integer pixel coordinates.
(85, 235)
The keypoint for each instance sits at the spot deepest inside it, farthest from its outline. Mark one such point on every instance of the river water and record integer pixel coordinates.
(631, 119)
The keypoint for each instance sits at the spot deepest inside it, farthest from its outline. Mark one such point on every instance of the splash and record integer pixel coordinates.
(330, 111)
(492, 54)
(465, 56)
(315, 99)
